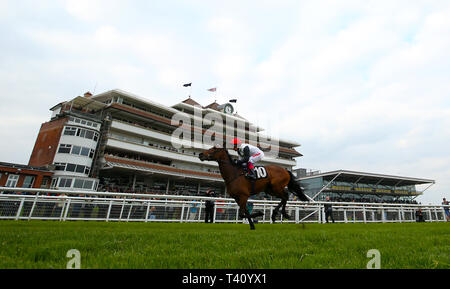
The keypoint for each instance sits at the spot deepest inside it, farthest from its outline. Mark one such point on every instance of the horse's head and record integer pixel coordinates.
(213, 154)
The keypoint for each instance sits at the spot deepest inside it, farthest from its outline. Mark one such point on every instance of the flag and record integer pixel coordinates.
(212, 89)
(187, 84)
(233, 100)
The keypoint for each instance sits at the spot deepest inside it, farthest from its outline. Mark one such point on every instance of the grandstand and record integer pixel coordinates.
(119, 142)
(349, 186)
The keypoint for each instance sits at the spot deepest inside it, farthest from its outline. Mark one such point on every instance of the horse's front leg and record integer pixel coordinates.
(244, 213)
(249, 218)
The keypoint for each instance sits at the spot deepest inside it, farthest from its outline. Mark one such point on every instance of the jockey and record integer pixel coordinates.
(248, 154)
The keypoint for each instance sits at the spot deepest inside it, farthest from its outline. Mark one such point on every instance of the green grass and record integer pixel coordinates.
(44, 244)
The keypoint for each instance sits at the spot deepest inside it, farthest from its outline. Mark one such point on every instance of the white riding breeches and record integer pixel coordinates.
(256, 158)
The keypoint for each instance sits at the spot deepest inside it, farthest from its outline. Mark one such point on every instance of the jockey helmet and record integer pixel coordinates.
(236, 141)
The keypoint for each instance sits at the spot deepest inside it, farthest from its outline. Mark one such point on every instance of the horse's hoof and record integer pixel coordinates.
(252, 228)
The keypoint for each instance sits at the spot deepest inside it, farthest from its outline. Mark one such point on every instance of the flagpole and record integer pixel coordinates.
(190, 89)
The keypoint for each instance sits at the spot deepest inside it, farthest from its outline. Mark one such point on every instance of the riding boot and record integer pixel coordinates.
(251, 171)
(252, 174)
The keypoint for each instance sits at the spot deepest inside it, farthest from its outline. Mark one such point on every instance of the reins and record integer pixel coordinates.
(229, 162)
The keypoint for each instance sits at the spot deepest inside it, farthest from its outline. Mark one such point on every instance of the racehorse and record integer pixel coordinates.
(241, 188)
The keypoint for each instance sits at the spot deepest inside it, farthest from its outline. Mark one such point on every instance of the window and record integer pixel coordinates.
(83, 184)
(77, 120)
(88, 184)
(53, 184)
(89, 134)
(76, 150)
(64, 148)
(81, 132)
(28, 182)
(85, 151)
(12, 181)
(80, 169)
(78, 184)
(65, 183)
(70, 130)
(83, 122)
(70, 168)
(60, 167)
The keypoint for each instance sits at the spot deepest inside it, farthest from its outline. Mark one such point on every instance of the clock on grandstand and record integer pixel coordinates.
(228, 109)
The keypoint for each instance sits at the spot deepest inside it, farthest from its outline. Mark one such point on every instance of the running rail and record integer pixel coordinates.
(64, 205)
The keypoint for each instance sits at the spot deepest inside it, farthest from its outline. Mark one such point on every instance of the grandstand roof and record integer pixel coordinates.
(368, 178)
(190, 101)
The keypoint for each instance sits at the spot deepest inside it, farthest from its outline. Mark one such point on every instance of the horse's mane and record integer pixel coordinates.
(229, 156)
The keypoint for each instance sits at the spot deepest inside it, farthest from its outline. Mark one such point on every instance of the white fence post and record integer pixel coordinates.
(147, 212)
(121, 210)
(32, 207)
(182, 213)
(200, 205)
(109, 211)
(364, 214)
(20, 209)
(67, 210)
(215, 212)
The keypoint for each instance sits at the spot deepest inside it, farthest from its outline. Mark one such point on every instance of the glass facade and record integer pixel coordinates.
(341, 191)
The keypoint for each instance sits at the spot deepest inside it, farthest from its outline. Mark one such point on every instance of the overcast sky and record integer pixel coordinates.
(362, 85)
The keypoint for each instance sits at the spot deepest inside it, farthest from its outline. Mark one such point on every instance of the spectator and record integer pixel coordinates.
(419, 216)
(446, 209)
(209, 207)
(328, 210)
(193, 210)
(152, 215)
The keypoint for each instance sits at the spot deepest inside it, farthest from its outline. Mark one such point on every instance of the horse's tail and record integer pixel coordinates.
(295, 188)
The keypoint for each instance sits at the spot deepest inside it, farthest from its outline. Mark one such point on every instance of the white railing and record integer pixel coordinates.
(43, 204)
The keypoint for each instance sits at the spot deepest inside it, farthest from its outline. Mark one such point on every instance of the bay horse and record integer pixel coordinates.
(241, 188)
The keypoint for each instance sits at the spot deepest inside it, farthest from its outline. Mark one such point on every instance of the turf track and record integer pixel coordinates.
(44, 244)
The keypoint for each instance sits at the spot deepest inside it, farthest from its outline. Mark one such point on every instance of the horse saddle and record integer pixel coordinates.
(260, 171)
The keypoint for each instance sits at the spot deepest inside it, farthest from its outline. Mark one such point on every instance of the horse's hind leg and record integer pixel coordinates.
(283, 208)
(283, 194)
(275, 212)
